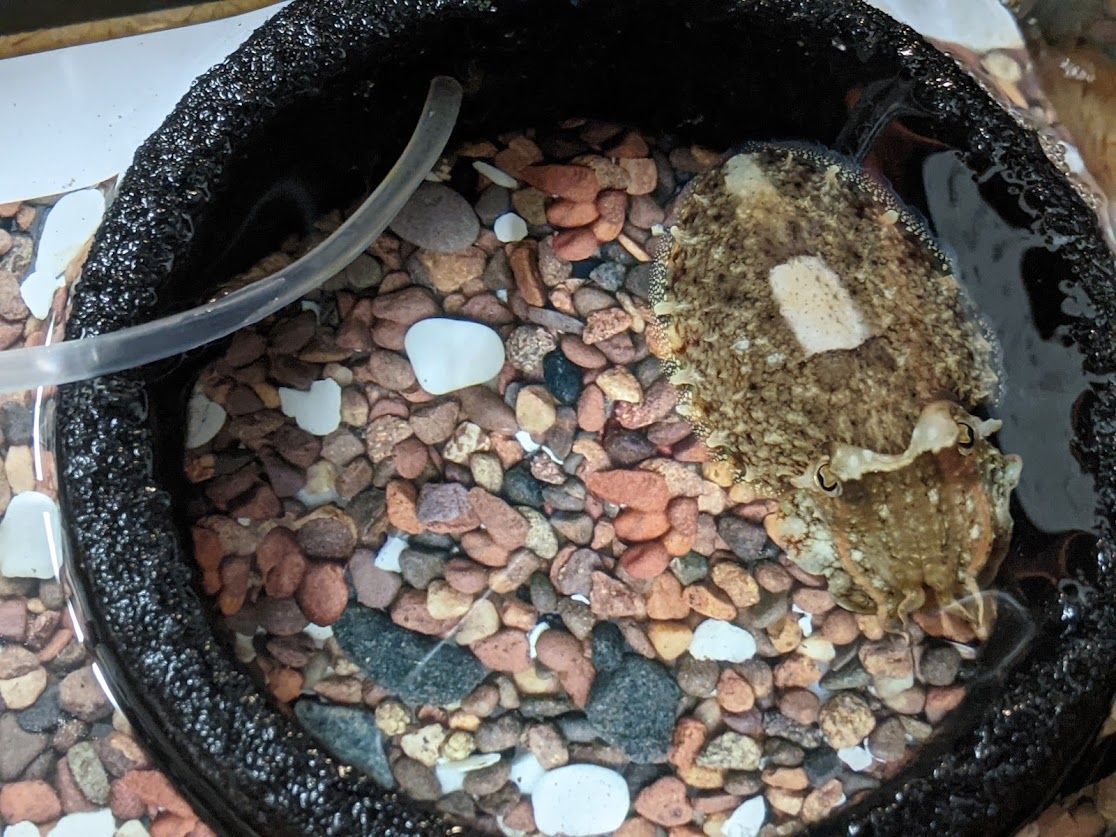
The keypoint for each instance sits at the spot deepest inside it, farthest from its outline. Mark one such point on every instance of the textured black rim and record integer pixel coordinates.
(248, 767)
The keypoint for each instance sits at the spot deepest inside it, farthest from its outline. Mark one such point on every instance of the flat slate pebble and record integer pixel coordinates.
(419, 669)
(350, 734)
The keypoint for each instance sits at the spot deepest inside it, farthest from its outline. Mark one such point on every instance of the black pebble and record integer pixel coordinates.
(522, 489)
(563, 377)
(609, 646)
(43, 714)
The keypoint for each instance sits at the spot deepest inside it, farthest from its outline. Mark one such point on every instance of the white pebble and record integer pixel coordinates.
(38, 290)
(857, 758)
(132, 828)
(388, 556)
(526, 772)
(451, 774)
(715, 639)
(528, 444)
(204, 420)
(69, 224)
(87, 824)
(30, 537)
(448, 355)
(22, 829)
(747, 820)
(318, 633)
(982, 25)
(805, 620)
(500, 178)
(533, 638)
(580, 800)
(317, 411)
(510, 227)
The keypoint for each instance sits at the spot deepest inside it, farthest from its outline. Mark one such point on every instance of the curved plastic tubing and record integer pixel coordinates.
(76, 360)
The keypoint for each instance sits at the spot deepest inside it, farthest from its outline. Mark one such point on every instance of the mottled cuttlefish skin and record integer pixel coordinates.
(822, 349)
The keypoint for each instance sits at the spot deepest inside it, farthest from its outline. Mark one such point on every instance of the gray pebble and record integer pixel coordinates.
(857, 782)
(851, 676)
(419, 669)
(609, 646)
(697, 678)
(417, 780)
(779, 751)
(745, 539)
(19, 750)
(569, 496)
(939, 666)
(576, 729)
(634, 707)
(888, 741)
(777, 725)
(549, 318)
(499, 734)
(497, 274)
(627, 447)
(88, 772)
(689, 568)
(488, 779)
(821, 765)
(501, 801)
(615, 252)
(544, 598)
(543, 706)
(609, 275)
(743, 783)
(350, 734)
(638, 280)
(16, 423)
(458, 804)
(576, 527)
(437, 218)
(43, 714)
(578, 618)
(421, 566)
(492, 203)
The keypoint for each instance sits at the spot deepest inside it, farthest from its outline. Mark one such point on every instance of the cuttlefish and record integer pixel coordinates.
(823, 349)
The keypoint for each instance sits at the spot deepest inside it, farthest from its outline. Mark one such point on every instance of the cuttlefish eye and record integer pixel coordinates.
(966, 437)
(826, 481)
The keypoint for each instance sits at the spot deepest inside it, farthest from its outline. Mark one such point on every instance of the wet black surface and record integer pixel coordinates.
(323, 96)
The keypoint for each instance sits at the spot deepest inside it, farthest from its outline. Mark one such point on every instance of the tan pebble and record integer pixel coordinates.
(339, 689)
(786, 634)
(817, 647)
(773, 578)
(738, 584)
(840, 627)
(800, 705)
(734, 693)
(535, 681)
(645, 560)
(797, 671)
(821, 801)
(507, 651)
(601, 325)
(871, 626)
(670, 639)
(710, 602)
(481, 622)
(785, 801)
(687, 741)
(665, 802)
(464, 721)
(424, 744)
(575, 245)
(518, 614)
(642, 490)
(466, 440)
(719, 473)
(620, 385)
(643, 174)
(575, 183)
(712, 499)
(22, 691)
(19, 469)
(409, 611)
(450, 271)
(665, 600)
(682, 512)
(845, 720)
(487, 471)
(813, 601)
(702, 778)
(444, 602)
(787, 778)
(569, 214)
(910, 701)
(535, 410)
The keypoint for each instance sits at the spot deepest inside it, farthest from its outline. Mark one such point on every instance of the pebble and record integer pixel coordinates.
(645, 735)
(449, 355)
(69, 224)
(620, 385)
(563, 378)
(715, 639)
(22, 691)
(437, 218)
(642, 490)
(510, 227)
(317, 411)
(455, 775)
(846, 720)
(745, 539)
(417, 780)
(747, 820)
(498, 177)
(99, 823)
(535, 410)
(522, 489)
(602, 795)
(419, 669)
(204, 420)
(81, 695)
(28, 549)
(665, 802)
(506, 651)
(32, 800)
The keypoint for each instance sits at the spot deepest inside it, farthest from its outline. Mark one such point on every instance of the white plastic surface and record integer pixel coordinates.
(75, 116)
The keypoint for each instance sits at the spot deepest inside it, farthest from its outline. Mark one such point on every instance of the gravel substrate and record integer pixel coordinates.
(540, 567)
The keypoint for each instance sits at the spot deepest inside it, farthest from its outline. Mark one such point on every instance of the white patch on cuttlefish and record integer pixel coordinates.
(817, 306)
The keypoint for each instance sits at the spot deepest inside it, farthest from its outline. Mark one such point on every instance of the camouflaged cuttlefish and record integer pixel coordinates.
(821, 348)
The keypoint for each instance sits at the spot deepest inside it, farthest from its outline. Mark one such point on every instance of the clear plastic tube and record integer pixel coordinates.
(76, 360)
